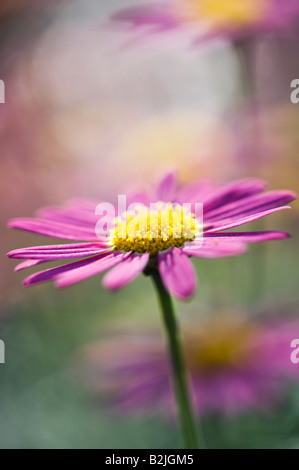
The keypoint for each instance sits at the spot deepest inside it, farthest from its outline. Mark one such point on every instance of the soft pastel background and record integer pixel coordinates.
(88, 114)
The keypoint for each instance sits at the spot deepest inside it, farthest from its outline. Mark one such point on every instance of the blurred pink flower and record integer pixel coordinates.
(155, 245)
(234, 19)
(235, 364)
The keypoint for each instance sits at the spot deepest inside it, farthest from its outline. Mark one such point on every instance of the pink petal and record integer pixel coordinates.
(54, 229)
(228, 244)
(76, 271)
(138, 197)
(246, 237)
(251, 205)
(157, 15)
(82, 203)
(80, 274)
(214, 248)
(232, 192)
(56, 252)
(177, 273)
(195, 192)
(74, 216)
(125, 272)
(28, 264)
(167, 187)
(242, 220)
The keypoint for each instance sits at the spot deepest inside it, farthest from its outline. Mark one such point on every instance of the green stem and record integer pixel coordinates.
(185, 412)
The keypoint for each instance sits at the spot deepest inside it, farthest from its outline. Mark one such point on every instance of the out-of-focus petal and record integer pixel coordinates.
(166, 188)
(157, 16)
(195, 192)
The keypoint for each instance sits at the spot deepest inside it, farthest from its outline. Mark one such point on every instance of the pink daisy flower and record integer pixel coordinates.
(234, 19)
(235, 365)
(163, 245)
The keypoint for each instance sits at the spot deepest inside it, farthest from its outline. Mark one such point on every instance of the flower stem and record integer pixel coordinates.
(186, 414)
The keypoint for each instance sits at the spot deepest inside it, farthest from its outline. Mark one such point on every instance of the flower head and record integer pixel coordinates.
(235, 364)
(160, 230)
(229, 18)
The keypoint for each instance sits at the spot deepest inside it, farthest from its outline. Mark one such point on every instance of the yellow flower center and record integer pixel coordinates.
(154, 229)
(226, 12)
(220, 344)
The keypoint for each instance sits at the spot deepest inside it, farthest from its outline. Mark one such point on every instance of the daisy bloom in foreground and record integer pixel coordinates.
(235, 364)
(164, 240)
(154, 233)
(234, 19)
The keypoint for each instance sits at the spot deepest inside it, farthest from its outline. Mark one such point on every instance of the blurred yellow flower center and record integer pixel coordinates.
(154, 229)
(223, 343)
(227, 12)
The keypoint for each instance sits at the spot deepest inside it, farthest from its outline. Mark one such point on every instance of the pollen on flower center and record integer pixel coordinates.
(226, 12)
(154, 229)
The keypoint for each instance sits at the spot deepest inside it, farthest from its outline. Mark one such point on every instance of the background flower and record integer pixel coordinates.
(235, 364)
(234, 19)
